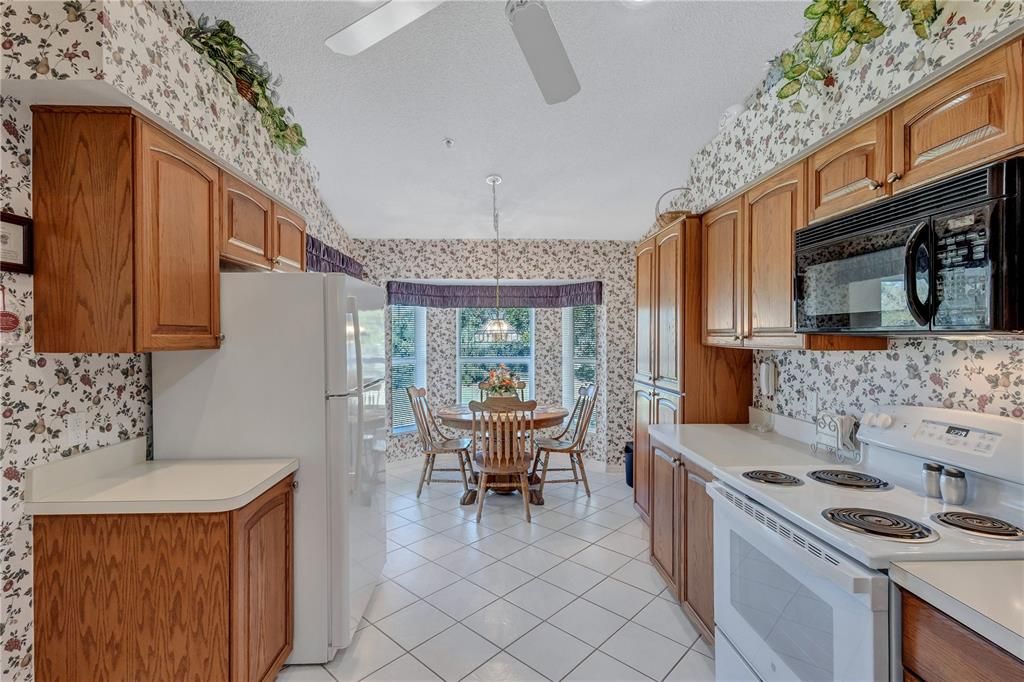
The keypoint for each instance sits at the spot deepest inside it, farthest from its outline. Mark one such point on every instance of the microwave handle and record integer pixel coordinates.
(918, 309)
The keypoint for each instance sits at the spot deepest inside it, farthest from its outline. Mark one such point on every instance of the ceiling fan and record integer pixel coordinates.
(531, 24)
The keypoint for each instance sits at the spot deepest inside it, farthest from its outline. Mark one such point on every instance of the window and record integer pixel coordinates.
(408, 361)
(579, 351)
(475, 360)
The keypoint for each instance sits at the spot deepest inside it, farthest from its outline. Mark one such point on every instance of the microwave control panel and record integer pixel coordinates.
(969, 440)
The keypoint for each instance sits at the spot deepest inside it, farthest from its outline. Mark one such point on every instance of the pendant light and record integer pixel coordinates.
(497, 329)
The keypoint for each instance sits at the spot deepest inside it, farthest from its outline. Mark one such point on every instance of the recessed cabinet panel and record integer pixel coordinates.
(289, 240)
(775, 209)
(177, 248)
(666, 533)
(699, 588)
(643, 408)
(972, 116)
(670, 278)
(723, 235)
(850, 172)
(645, 302)
(247, 224)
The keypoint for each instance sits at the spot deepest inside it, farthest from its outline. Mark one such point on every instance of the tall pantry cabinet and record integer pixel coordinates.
(677, 379)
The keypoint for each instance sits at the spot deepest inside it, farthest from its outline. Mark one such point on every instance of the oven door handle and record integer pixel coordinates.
(919, 310)
(849, 578)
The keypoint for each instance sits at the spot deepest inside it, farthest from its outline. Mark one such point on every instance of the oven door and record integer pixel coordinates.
(794, 608)
(875, 281)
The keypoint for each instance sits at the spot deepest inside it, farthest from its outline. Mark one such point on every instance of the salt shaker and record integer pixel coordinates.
(953, 485)
(930, 475)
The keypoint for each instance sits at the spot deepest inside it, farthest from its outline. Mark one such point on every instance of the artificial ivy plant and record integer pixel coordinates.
(233, 59)
(841, 27)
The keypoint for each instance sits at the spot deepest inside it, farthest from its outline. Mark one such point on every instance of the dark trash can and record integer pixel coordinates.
(628, 451)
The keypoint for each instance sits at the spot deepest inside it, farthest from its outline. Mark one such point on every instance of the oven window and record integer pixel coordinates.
(858, 283)
(794, 622)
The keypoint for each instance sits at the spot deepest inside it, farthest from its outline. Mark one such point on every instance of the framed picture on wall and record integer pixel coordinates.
(15, 243)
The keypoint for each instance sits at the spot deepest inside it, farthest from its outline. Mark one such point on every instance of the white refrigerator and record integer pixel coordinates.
(300, 373)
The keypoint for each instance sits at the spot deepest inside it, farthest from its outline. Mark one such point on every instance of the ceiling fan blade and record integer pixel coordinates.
(378, 25)
(543, 49)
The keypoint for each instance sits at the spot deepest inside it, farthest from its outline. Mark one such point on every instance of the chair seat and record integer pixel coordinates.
(553, 444)
(452, 445)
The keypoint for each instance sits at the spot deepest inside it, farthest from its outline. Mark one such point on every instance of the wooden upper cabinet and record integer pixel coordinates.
(289, 240)
(849, 172)
(723, 274)
(668, 331)
(645, 303)
(247, 223)
(177, 249)
(775, 209)
(975, 114)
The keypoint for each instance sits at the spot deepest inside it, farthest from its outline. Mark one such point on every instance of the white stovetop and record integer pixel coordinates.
(119, 480)
(803, 505)
(986, 596)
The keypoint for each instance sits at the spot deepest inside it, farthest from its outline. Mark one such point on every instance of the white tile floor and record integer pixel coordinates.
(570, 596)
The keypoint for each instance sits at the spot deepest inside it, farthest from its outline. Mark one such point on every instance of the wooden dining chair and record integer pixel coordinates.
(503, 447)
(484, 395)
(571, 441)
(435, 442)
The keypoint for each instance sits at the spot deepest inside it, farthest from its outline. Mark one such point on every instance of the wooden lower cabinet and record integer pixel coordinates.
(682, 535)
(205, 597)
(667, 485)
(937, 648)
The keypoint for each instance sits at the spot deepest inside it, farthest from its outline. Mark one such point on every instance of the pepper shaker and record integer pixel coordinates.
(930, 475)
(954, 486)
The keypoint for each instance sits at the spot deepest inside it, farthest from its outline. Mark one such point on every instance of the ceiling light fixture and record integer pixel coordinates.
(497, 329)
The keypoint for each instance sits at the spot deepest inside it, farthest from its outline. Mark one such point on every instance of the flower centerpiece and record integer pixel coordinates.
(501, 382)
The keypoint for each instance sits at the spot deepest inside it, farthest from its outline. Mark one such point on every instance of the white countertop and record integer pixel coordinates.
(724, 445)
(986, 596)
(119, 483)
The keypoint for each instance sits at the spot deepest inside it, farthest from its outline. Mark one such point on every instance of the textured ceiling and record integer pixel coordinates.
(656, 77)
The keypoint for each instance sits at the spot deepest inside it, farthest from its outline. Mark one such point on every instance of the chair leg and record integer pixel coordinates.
(462, 470)
(575, 474)
(430, 471)
(536, 463)
(481, 493)
(524, 482)
(544, 474)
(423, 475)
(583, 472)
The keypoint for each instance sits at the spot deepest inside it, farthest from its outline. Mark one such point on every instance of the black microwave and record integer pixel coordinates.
(945, 258)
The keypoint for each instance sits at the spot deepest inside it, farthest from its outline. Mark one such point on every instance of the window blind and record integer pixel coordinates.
(579, 351)
(408, 361)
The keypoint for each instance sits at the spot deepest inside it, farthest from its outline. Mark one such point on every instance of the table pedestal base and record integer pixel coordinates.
(469, 497)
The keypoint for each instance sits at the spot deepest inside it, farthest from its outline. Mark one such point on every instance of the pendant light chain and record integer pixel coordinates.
(497, 251)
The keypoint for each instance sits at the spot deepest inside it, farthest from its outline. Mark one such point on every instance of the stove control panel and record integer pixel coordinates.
(965, 439)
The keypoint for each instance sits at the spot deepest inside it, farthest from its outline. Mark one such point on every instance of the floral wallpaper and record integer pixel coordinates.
(52, 405)
(780, 130)
(608, 261)
(980, 375)
(134, 47)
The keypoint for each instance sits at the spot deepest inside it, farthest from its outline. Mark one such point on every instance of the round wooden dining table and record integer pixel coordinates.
(461, 417)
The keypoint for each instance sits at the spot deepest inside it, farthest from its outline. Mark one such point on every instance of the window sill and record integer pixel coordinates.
(403, 430)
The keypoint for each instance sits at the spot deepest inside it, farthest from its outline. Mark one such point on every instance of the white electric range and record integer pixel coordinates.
(801, 552)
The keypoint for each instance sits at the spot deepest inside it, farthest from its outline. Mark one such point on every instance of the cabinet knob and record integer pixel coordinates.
(874, 184)
(893, 177)
(220, 339)
(295, 485)
(736, 337)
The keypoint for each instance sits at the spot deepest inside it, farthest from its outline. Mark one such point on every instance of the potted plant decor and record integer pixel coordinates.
(233, 59)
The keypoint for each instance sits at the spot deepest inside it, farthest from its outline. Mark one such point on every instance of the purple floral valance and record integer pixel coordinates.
(323, 258)
(482, 296)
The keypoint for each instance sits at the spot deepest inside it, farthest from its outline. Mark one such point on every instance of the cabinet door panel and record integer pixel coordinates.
(665, 530)
(247, 224)
(289, 240)
(176, 263)
(667, 409)
(262, 592)
(643, 407)
(667, 330)
(699, 572)
(775, 210)
(850, 172)
(972, 116)
(723, 280)
(646, 299)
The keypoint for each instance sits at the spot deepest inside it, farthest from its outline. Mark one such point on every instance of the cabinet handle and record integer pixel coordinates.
(893, 177)
(220, 339)
(736, 337)
(874, 184)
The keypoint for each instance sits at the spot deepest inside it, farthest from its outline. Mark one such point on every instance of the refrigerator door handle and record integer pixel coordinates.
(353, 306)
